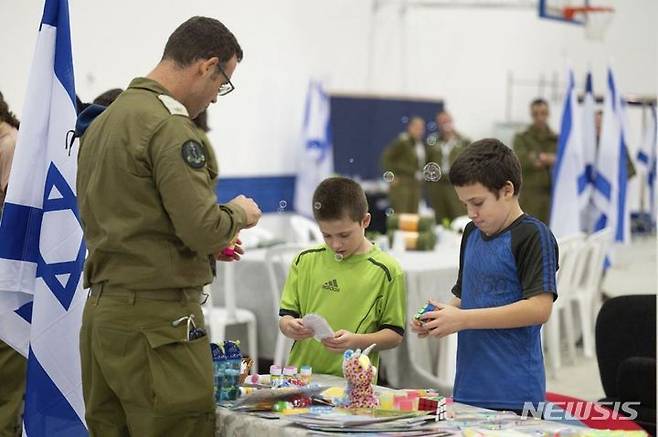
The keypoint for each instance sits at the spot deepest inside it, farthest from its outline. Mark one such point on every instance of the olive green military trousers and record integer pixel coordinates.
(444, 201)
(404, 195)
(536, 201)
(12, 387)
(141, 376)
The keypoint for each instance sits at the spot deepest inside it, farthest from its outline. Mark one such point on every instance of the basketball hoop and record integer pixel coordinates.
(595, 18)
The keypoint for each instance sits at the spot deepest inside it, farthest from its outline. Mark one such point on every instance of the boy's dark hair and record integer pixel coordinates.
(337, 197)
(6, 115)
(201, 38)
(489, 162)
(538, 101)
(108, 97)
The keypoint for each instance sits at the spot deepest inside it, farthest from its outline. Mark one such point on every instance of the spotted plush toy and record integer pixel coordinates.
(360, 374)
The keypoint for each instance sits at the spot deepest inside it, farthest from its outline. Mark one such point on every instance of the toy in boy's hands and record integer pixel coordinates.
(428, 307)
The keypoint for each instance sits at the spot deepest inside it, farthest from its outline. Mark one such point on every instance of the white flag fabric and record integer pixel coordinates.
(646, 157)
(41, 244)
(586, 183)
(568, 170)
(317, 161)
(611, 167)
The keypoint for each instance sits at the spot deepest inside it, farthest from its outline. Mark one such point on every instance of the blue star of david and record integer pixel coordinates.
(320, 145)
(48, 272)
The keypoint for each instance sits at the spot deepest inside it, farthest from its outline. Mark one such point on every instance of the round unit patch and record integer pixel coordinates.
(194, 154)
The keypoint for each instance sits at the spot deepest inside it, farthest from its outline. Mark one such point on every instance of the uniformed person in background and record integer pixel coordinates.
(402, 163)
(12, 364)
(151, 220)
(536, 148)
(443, 147)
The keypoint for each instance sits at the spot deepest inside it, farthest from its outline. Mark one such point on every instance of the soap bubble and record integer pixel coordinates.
(389, 212)
(283, 204)
(317, 205)
(389, 176)
(339, 257)
(432, 172)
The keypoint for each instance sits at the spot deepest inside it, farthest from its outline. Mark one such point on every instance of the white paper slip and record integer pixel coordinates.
(318, 325)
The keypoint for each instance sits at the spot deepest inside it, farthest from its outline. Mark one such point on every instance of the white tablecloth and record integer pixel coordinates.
(427, 274)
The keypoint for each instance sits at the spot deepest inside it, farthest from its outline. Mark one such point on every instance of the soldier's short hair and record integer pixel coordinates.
(109, 96)
(538, 101)
(338, 197)
(201, 38)
(6, 115)
(489, 162)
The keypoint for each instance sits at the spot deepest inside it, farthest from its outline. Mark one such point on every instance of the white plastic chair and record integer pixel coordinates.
(570, 248)
(253, 237)
(218, 318)
(305, 230)
(277, 262)
(587, 284)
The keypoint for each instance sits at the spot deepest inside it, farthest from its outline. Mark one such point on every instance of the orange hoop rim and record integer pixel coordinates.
(570, 11)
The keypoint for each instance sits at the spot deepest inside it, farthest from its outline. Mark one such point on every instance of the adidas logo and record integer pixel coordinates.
(331, 286)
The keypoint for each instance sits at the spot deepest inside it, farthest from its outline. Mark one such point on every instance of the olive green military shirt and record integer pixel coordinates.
(146, 195)
(436, 147)
(400, 157)
(528, 145)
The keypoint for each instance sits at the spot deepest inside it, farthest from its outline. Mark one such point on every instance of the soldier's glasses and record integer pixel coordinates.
(227, 87)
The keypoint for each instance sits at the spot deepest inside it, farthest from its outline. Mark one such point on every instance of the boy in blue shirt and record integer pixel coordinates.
(505, 288)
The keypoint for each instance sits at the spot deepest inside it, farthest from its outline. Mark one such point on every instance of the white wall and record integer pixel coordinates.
(460, 55)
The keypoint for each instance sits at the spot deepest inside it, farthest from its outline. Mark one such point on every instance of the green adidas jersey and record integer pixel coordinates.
(361, 294)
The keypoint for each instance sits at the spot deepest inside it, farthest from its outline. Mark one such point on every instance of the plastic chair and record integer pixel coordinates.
(570, 249)
(305, 230)
(586, 290)
(218, 318)
(277, 261)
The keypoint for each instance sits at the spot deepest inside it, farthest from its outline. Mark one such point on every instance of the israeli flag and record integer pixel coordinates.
(317, 161)
(41, 245)
(610, 182)
(646, 157)
(568, 170)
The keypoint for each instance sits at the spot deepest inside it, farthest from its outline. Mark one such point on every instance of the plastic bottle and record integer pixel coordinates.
(305, 374)
(289, 372)
(275, 375)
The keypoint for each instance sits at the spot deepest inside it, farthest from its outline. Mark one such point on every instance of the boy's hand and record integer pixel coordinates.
(219, 256)
(446, 320)
(341, 341)
(294, 328)
(418, 328)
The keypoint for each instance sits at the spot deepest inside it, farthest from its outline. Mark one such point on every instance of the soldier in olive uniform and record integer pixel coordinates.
(151, 222)
(536, 148)
(404, 158)
(443, 147)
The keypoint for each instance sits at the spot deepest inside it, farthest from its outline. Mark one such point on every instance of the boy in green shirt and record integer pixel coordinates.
(356, 287)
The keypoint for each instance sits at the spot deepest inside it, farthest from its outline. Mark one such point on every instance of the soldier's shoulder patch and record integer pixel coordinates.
(173, 106)
(194, 154)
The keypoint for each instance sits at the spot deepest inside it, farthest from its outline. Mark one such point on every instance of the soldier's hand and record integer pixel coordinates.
(237, 251)
(250, 208)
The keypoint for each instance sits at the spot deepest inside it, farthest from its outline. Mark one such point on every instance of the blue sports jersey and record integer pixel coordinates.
(503, 368)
